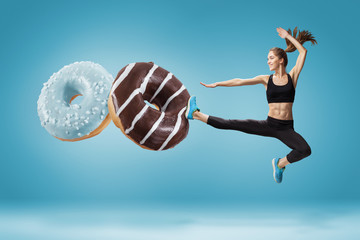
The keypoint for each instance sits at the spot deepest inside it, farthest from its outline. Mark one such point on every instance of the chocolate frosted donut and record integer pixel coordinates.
(154, 129)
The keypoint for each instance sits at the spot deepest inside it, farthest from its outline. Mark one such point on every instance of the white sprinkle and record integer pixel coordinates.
(75, 106)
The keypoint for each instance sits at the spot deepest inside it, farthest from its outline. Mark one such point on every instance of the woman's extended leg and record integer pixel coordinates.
(200, 116)
(257, 127)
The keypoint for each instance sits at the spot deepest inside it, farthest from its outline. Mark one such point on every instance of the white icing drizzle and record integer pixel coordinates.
(176, 129)
(156, 124)
(122, 77)
(172, 97)
(140, 114)
(133, 94)
(138, 90)
(136, 119)
(168, 77)
(147, 78)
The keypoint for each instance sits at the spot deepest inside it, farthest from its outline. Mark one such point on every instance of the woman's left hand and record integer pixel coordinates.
(282, 32)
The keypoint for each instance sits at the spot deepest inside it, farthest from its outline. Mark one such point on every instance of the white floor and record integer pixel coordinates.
(330, 222)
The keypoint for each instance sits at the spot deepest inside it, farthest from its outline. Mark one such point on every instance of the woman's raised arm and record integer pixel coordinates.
(295, 72)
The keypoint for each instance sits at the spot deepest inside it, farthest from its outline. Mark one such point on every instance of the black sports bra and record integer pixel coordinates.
(275, 93)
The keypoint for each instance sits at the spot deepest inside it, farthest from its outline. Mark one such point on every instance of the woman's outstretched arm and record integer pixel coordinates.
(239, 82)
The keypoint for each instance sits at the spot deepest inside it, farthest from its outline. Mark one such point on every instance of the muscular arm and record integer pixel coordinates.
(239, 82)
(295, 72)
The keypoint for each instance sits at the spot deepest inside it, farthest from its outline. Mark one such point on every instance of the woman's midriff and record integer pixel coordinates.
(282, 111)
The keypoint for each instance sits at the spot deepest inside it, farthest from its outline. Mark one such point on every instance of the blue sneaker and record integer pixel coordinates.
(278, 172)
(191, 108)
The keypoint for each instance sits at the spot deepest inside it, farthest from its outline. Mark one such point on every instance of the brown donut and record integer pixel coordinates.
(154, 129)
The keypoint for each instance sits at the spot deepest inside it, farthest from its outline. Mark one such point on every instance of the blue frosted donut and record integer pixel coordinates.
(73, 122)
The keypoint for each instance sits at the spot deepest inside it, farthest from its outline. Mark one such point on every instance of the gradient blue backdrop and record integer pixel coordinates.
(198, 41)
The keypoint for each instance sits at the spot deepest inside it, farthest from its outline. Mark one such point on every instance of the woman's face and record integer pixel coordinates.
(273, 61)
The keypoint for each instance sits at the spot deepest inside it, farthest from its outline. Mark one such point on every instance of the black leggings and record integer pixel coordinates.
(271, 127)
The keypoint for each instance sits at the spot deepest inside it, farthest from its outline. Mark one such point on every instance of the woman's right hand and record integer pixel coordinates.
(212, 85)
(282, 32)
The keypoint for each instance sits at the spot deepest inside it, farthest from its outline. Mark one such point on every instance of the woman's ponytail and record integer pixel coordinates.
(302, 37)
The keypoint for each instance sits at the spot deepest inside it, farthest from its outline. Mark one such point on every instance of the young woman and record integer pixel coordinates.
(280, 92)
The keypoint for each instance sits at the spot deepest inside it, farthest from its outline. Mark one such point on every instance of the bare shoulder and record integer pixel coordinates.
(263, 79)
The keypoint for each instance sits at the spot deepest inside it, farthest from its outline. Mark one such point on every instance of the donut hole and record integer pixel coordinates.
(76, 99)
(154, 106)
(72, 91)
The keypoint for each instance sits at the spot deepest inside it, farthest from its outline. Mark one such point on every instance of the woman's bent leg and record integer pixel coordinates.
(300, 148)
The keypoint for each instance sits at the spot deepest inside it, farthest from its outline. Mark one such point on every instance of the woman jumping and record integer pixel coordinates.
(280, 92)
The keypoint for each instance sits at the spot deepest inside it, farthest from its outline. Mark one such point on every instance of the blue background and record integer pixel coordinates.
(207, 41)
